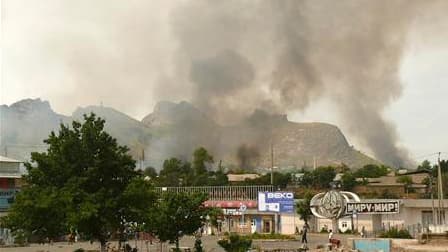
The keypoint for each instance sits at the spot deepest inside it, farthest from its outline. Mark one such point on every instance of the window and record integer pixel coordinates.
(266, 226)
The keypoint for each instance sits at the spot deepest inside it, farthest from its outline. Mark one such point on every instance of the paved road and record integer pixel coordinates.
(209, 244)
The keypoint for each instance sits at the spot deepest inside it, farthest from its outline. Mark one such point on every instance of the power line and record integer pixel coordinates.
(434, 155)
(427, 155)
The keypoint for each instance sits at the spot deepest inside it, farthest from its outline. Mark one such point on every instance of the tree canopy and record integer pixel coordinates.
(176, 172)
(176, 215)
(303, 207)
(320, 178)
(83, 181)
(372, 171)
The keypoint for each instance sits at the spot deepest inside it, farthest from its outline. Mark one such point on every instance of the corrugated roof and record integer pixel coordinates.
(10, 160)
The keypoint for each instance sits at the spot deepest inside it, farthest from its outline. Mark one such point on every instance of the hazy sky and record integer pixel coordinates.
(79, 53)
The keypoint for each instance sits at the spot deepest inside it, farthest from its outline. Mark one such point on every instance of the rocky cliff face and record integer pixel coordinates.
(176, 129)
(249, 142)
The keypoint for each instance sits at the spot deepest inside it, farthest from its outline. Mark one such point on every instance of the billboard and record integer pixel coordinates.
(278, 202)
(380, 207)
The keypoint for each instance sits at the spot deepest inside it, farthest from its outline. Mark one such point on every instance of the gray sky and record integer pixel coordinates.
(78, 53)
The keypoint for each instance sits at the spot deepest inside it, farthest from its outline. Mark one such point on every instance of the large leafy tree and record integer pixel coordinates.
(85, 180)
(176, 215)
(323, 176)
(175, 172)
(303, 207)
(348, 180)
(372, 171)
(201, 159)
(425, 165)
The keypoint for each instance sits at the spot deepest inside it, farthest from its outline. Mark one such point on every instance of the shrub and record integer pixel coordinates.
(257, 236)
(198, 245)
(20, 238)
(396, 233)
(235, 243)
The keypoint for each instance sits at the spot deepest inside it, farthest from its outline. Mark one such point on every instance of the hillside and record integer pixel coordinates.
(176, 129)
(248, 143)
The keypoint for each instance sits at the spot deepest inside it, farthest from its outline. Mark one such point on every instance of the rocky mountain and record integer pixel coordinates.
(24, 125)
(176, 129)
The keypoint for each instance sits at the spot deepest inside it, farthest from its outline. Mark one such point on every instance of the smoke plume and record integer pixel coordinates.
(285, 54)
(247, 156)
(228, 57)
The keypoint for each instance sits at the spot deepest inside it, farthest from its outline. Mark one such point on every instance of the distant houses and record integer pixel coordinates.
(10, 181)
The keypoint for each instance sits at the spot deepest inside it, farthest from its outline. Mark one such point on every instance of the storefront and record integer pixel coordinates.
(244, 219)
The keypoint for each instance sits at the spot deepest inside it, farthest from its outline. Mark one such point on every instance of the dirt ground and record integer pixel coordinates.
(209, 244)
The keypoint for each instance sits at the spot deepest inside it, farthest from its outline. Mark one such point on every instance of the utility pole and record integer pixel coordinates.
(6, 151)
(431, 189)
(441, 204)
(142, 160)
(272, 163)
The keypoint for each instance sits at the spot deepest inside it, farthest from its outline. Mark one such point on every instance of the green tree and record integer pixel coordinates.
(303, 207)
(407, 181)
(281, 180)
(79, 182)
(213, 214)
(150, 172)
(217, 178)
(176, 215)
(323, 176)
(175, 173)
(348, 181)
(201, 158)
(372, 171)
(425, 165)
(307, 180)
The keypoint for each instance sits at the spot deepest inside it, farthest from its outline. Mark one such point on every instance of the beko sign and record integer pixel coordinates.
(280, 195)
(279, 202)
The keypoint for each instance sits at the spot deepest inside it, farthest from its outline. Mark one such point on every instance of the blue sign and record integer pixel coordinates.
(279, 202)
(7, 198)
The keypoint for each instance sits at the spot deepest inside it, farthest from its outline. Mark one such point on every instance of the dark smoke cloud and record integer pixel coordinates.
(349, 51)
(222, 75)
(247, 156)
(228, 57)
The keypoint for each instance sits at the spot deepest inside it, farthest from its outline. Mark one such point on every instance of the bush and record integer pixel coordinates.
(198, 245)
(20, 238)
(396, 233)
(324, 230)
(235, 243)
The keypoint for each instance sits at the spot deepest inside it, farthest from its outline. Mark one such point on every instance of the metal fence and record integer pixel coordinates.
(6, 237)
(222, 192)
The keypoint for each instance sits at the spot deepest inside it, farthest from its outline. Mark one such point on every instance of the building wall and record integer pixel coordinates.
(410, 218)
(289, 222)
(9, 167)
